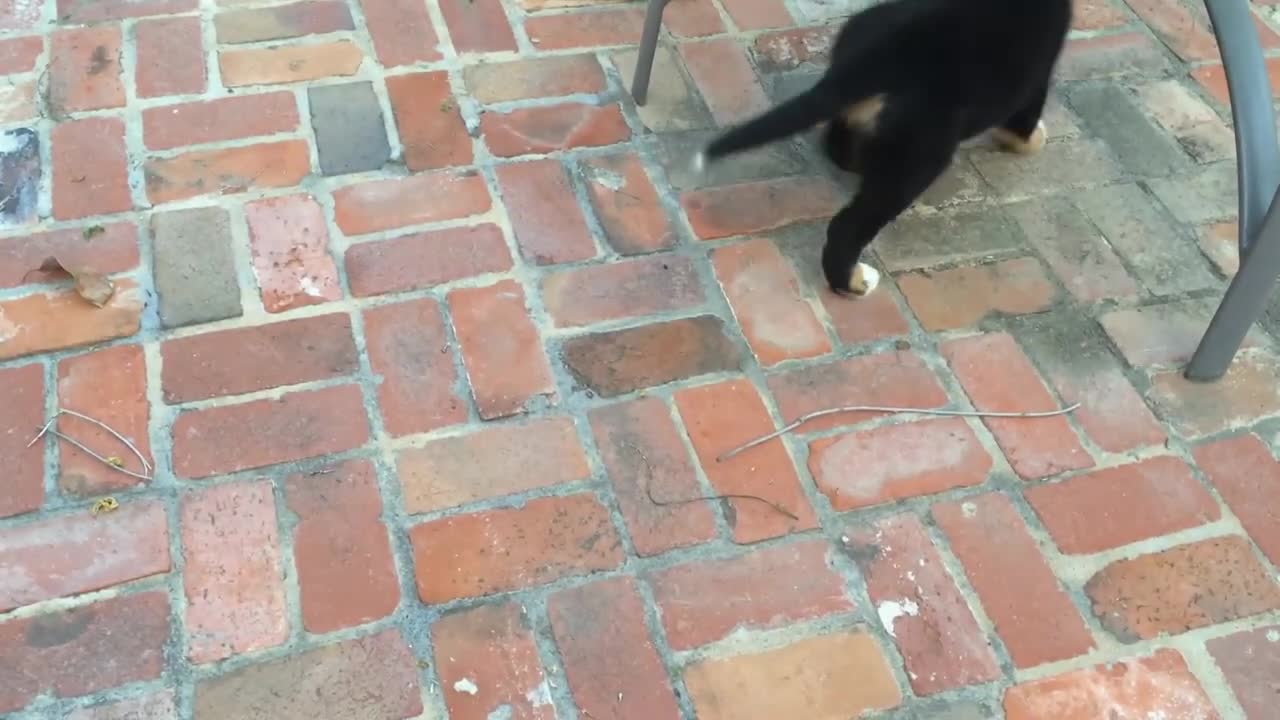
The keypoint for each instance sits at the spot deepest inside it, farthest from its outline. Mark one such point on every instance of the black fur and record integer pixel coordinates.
(927, 75)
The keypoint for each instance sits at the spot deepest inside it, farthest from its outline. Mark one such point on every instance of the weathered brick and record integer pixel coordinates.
(1173, 23)
(1248, 392)
(723, 74)
(920, 607)
(545, 216)
(507, 549)
(491, 462)
(372, 676)
(62, 319)
(1112, 54)
(706, 600)
(108, 248)
(760, 206)
(21, 171)
(1213, 78)
(1111, 115)
(1195, 125)
(966, 296)
(625, 201)
(621, 289)
(1075, 252)
(1247, 477)
(1157, 685)
(289, 63)
(769, 162)
(422, 260)
(534, 77)
(170, 57)
(233, 577)
(602, 625)
(20, 54)
(78, 553)
(311, 17)
(95, 11)
(672, 104)
(591, 28)
(82, 650)
(90, 169)
(1121, 505)
(227, 118)
(550, 128)
(230, 170)
(84, 69)
(758, 15)
(1201, 196)
(396, 202)
(1096, 15)
(408, 347)
(299, 425)
(22, 410)
(789, 49)
(993, 545)
(501, 349)
(109, 385)
(649, 469)
(18, 101)
(1220, 242)
(1157, 336)
(431, 129)
(1185, 587)
(261, 357)
(401, 31)
(21, 16)
(489, 665)
(1250, 660)
(794, 681)
(158, 705)
(477, 26)
(347, 120)
(289, 245)
(346, 574)
(911, 242)
(889, 463)
(195, 274)
(693, 18)
(1059, 167)
(617, 362)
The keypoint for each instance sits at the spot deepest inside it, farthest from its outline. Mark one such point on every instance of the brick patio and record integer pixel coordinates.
(426, 328)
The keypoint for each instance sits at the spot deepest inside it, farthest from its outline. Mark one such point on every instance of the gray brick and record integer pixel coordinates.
(1059, 166)
(1110, 114)
(1074, 249)
(1164, 257)
(19, 176)
(350, 136)
(195, 271)
(783, 86)
(672, 103)
(779, 159)
(959, 184)
(1201, 196)
(959, 235)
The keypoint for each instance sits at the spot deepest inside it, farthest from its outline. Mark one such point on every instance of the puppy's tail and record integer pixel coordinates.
(793, 116)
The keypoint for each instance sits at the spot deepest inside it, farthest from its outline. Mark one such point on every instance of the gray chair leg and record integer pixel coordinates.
(648, 46)
(1258, 176)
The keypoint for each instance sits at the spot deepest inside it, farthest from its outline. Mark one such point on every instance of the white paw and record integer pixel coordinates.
(864, 279)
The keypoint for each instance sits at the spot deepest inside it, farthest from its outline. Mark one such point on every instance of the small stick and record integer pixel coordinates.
(648, 490)
(54, 432)
(878, 408)
(43, 430)
(138, 453)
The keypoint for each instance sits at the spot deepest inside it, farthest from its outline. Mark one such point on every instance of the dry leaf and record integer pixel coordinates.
(92, 231)
(94, 287)
(115, 461)
(106, 504)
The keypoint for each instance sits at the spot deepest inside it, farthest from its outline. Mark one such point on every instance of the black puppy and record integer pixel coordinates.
(909, 80)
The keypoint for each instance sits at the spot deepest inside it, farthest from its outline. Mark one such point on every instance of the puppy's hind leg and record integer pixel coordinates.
(1024, 133)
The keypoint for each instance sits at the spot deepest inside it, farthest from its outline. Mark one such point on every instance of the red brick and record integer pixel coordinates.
(94, 11)
(312, 17)
(82, 650)
(158, 705)
(423, 260)
(920, 606)
(992, 543)
(78, 553)
(289, 243)
(477, 26)
(233, 575)
(346, 574)
(893, 462)
(894, 378)
(489, 665)
(965, 296)
(1248, 392)
(372, 676)
(108, 248)
(299, 425)
(248, 359)
(1213, 78)
(1163, 335)
(759, 206)
(21, 412)
(646, 461)
(693, 18)
(109, 386)
(998, 377)
(231, 170)
(609, 659)
(1111, 54)
(758, 14)
(1177, 27)
(618, 362)
(428, 120)
(627, 204)
(409, 349)
(84, 69)
(501, 349)
(1247, 477)
(550, 128)
(226, 118)
(507, 549)
(789, 49)
(589, 28)
(62, 319)
(491, 462)
(396, 202)
(534, 78)
(864, 319)
(289, 63)
(765, 296)
(1250, 660)
(545, 215)
(401, 31)
(704, 601)
(1096, 15)
(20, 54)
(18, 101)
(170, 57)
(621, 289)
(90, 169)
(1183, 588)
(1156, 686)
(1121, 505)
(796, 681)
(724, 77)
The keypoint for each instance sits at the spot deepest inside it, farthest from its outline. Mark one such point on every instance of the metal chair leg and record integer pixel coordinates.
(648, 46)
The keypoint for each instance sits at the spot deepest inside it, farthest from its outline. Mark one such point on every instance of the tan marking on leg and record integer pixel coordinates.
(1023, 146)
(863, 114)
(863, 279)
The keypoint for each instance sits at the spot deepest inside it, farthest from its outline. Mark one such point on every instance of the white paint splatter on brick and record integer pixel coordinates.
(890, 610)
(466, 685)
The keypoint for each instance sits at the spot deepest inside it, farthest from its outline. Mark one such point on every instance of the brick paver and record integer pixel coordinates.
(431, 342)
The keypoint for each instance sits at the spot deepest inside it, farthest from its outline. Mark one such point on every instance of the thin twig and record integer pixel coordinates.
(878, 408)
(138, 453)
(43, 430)
(648, 490)
(54, 432)
(109, 462)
